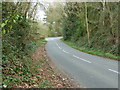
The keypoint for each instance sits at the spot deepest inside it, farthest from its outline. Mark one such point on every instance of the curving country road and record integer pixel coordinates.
(88, 70)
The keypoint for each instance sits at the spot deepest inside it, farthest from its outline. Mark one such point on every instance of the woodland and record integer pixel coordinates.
(87, 25)
(91, 26)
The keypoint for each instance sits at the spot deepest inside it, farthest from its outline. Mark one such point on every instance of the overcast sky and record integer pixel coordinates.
(40, 12)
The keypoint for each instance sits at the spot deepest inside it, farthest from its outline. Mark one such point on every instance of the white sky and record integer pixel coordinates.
(40, 15)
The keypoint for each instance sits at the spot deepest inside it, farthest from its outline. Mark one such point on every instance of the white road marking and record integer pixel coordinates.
(65, 51)
(73, 55)
(114, 71)
(81, 59)
(58, 46)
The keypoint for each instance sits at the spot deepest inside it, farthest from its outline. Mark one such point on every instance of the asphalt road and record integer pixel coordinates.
(89, 70)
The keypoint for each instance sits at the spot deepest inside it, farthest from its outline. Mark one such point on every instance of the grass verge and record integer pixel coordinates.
(94, 52)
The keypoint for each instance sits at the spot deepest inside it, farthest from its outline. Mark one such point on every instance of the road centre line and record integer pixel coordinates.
(73, 55)
(58, 46)
(77, 57)
(81, 59)
(114, 71)
(61, 48)
(65, 51)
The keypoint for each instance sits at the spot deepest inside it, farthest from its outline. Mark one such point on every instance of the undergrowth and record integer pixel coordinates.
(18, 67)
(91, 51)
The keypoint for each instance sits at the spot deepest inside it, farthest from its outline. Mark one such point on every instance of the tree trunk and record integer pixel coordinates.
(103, 3)
(27, 9)
(30, 16)
(86, 18)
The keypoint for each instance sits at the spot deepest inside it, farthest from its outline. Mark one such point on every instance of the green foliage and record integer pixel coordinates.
(90, 51)
(102, 26)
(18, 65)
(39, 29)
(18, 43)
(54, 19)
